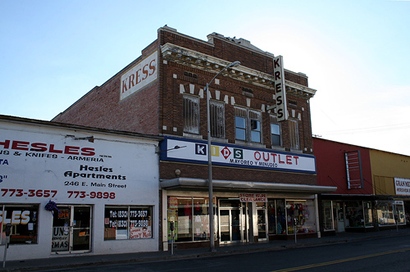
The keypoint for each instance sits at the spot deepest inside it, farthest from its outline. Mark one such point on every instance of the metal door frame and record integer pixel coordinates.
(72, 227)
(264, 209)
(243, 222)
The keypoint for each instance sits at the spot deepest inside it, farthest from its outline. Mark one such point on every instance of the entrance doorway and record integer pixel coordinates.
(340, 216)
(262, 226)
(72, 229)
(233, 222)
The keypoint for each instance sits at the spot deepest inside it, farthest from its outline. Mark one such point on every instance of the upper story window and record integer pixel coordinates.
(248, 125)
(275, 132)
(294, 134)
(217, 114)
(191, 114)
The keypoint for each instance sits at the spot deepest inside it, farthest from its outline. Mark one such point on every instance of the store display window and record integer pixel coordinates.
(287, 216)
(190, 218)
(358, 214)
(390, 213)
(24, 223)
(127, 222)
(300, 216)
(276, 216)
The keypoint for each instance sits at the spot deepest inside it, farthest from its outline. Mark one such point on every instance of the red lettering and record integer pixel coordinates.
(138, 75)
(43, 147)
(145, 71)
(87, 151)
(52, 150)
(288, 159)
(280, 160)
(131, 81)
(73, 150)
(124, 86)
(20, 145)
(296, 159)
(152, 67)
(6, 143)
(257, 155)
(38, 147)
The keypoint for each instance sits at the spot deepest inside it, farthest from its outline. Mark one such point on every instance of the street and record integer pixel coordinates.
(383, 254)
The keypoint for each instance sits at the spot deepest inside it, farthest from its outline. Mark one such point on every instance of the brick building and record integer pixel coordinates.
(263, 168)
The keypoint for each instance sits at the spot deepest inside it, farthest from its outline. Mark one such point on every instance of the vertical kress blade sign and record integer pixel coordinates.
(280, 88)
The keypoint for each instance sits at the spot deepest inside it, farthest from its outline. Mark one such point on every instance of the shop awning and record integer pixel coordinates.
(193, 183)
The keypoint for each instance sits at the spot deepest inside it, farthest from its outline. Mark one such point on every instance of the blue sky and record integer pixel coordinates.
(355, 54)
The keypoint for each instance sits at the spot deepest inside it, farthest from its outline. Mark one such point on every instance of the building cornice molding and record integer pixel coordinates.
(187, 57)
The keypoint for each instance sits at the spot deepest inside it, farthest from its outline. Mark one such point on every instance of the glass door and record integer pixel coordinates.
(262, 226)
(71, 229)
(232, 221)
(236, 225)
(81, 228)
(340, 215)
(224, 225)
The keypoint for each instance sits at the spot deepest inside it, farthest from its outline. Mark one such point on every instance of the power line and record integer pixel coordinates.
(369, 129)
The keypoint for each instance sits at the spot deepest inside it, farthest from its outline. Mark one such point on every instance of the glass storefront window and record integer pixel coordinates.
(400, 214)
(127, 222)
(388, 212)
(23, 220)
(276, 216)
(190, 218)
(358, 214)
(286, 216)
(300, 216)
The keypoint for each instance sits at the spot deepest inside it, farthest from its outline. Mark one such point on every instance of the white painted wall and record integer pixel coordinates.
(41, 156)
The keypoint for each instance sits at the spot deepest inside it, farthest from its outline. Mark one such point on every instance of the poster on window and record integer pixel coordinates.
(60, 239)
(128, 222)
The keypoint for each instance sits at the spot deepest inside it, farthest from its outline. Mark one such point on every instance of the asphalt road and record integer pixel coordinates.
(383, 254)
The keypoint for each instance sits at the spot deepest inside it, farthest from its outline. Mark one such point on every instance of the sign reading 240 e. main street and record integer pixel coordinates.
(230, 155)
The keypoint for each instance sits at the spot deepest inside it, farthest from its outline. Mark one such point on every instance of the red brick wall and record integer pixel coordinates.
(172, 100)
(101, 107)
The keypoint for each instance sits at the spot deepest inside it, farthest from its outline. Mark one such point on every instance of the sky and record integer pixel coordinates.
(354, 52)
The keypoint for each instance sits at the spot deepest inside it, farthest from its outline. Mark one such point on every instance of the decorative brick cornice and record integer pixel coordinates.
(184, 56)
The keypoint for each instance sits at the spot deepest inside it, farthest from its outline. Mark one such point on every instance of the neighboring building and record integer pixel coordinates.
(350, 206)
(263, 169)
(373, 187)
(391, 177)
(69, 189)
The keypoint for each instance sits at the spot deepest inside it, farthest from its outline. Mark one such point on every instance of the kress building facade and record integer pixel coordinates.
(263, 168)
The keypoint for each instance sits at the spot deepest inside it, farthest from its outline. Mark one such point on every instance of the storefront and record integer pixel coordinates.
(365, 213)
(244, 216)
(72, 190)
(244, 211)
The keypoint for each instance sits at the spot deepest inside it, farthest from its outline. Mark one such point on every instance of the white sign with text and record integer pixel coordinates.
(402, 186)
(139, 76)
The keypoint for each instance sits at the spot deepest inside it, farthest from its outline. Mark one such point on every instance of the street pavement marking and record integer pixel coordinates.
(297, 268)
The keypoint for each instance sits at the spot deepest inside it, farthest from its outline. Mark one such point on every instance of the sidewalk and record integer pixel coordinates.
(86, 259)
